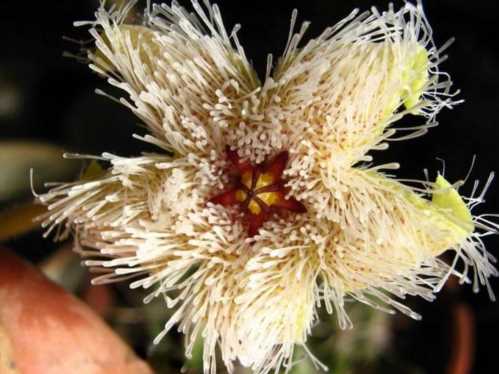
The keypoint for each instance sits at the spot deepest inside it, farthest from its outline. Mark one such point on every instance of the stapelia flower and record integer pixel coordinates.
(260, 205)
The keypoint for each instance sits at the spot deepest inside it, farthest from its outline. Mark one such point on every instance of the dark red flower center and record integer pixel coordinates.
(259, 190)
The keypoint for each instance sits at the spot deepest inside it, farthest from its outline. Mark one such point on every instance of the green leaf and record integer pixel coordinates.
(16, 160)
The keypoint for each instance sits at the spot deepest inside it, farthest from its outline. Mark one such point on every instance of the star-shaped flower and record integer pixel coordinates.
(259, 190)
(246, 244)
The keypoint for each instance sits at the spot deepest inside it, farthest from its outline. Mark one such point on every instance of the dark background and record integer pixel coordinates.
(54, 101)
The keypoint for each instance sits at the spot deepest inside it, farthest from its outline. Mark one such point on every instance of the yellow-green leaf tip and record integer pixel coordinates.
(415, 77)
(447, 199)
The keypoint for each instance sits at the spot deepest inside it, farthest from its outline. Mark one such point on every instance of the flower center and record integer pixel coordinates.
(259, 190)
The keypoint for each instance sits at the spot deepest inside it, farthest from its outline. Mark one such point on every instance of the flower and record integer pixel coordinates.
(186, 221)
(260, 190)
